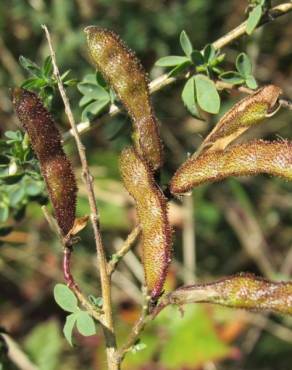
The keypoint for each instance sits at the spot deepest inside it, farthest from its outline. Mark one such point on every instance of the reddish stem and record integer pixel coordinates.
(67, 268)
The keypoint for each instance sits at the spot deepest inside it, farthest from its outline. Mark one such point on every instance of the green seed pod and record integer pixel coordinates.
(46, 143)
(252, 158)
(121, 68)
(152, 213)
(248, 112)
(239, 291)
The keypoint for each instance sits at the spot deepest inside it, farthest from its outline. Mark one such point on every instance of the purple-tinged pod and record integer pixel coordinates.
(124, 72)
(252, 158)
(46, 143)
(151, 208)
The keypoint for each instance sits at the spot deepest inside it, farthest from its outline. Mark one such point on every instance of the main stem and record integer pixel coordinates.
(108, 328)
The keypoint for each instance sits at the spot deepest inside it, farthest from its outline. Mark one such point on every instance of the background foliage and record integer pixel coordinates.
(239, 225)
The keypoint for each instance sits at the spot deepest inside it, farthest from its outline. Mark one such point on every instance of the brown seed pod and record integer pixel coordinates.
(274, 158)
(152, 213)
(239, 291)
(121, 68)
(248, 112)
(46, 143)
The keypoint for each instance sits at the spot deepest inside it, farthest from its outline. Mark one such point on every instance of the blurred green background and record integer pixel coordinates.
(237, 225)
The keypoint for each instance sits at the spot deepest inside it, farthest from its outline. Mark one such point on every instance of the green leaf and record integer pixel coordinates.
(4, 213)
(197, 58)
(179, 68)
(253, 19)
(93, 91)
(197, 334)
(13, 135)
(189, 97)
(138, 347)
(171, 61)
(48, 66)
(90, 78)
(17, 196)
(30, 66)
(251, 82)
(85, 100)
(34, 188)
(69, 326)
(85, 324)
(209, 53)
(207, 95)
(30, 83)
(93, 109)
(65, 298)
(185, 43)
(97, 301)
(12, 179)
(232, 77)
(44, 345)
(243, 65)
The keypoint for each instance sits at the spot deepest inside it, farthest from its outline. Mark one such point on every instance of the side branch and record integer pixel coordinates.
(239, 291)
(164, 80)
(126, 246)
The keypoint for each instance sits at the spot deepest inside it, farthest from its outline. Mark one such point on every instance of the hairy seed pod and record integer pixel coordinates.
(248, 112)
(121, 68)
(239, 291)
(46, 143)
(152, 213)
(252, 158)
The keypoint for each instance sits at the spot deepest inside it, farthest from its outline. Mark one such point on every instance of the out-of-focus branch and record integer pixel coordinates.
(17, 356)
(164, 80)
(10, 64)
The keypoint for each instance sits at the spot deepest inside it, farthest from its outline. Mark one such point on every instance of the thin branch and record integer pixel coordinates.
(94, 217)
(164, 80)
(127, 245)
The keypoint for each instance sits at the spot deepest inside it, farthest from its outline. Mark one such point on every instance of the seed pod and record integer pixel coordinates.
(121, 68)
(46, 143)
(239, 291)
(246, 113)
(252, 158)
(152, 213)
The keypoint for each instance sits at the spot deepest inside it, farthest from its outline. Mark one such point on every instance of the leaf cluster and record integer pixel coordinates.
(20, 179)
(42, 79)
(97, 96)
(257, 9)
(77, 317)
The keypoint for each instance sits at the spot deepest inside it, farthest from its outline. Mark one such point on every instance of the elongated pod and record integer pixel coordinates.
(252, 158)
(239, 291)
(249, 111)
(121, 68)
(152, 213)
(46, 143)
